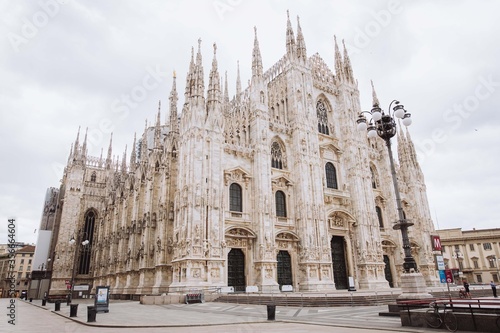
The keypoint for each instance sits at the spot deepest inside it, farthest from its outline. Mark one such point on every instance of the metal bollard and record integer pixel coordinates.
(58, 305)
(44, 302)
(73, 309)
(91, 314)
(271, 312)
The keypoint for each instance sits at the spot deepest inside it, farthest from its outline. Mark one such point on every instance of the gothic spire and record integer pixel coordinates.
(290, 37)
(347, 65)
(84, 146)
(110, 150)
(174, 126)
(158, 126)
(238, 84)
(189, 76)
(76, 146)
(256, 59)
(226, 92)
(199, 83)
(214, 81)
(124, 161)
(374, 95)
(301, 44)
(132, 156)
(338, 61)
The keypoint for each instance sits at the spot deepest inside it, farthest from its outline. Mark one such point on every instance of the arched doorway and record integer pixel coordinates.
(284, 268)
(236, 270)
(339, 262)
(387, 271)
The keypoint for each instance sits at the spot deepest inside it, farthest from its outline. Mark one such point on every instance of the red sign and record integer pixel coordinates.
(449, 275)
(436, 243)
(68, 286)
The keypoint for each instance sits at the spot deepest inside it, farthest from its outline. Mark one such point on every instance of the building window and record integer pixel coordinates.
(86, 251)
(29, 261)
(322, 118)
(471, 247)
(457, 247)
(331, 176)
(93, 177)
(479, 278)
(495, 277)
(22, 261)
(374, 178)
(280, 204)
(379, 216)
(476, 263)
(443, 248)
(277, 158)
(491, 260)
(21, 267)
(29, 269)
(235, 202)
(487, 246)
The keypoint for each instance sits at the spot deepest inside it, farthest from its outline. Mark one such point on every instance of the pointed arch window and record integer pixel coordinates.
(280, 204)
(331, 176)
(374, 177)
(86, 250)
(322, 118)
(93, 177)
(277, 157)
(379, 216)
(235, 198)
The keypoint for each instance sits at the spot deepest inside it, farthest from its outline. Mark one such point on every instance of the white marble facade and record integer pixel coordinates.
(278, 171)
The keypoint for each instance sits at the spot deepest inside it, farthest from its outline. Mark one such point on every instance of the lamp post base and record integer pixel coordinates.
(413, 286)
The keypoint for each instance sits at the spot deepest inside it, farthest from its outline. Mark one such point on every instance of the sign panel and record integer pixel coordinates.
(101, 301)
(436, 243)
(440, 263)
(442, 276)
(82, 287)
(449, 275)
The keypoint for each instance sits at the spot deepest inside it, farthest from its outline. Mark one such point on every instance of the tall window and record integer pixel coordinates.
(374, 178)
(86, 250)
(471, 247)
(277, 158)
(492, 262)
(476, 263)
(280, 204)
(322, 118)
(331, 176)
(479, 278)
(235, 202)
(379, 216)
(487, 246)
(93, 177)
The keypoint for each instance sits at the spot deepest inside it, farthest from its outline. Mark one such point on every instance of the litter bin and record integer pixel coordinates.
(91, 312)
(58, 305)
(271, 312)
(73, 309)
(44, 302)
(31, 299)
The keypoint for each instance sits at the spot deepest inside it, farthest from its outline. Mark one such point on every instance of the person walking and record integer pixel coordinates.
(494, 288)
(466, 287)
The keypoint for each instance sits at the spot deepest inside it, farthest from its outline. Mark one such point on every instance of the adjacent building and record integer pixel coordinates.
(473, 254)
(271, 187)
(16, 269)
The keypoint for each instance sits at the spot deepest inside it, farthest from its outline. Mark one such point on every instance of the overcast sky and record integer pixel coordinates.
(69, 63)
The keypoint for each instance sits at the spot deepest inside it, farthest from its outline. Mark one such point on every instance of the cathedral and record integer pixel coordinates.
(273, 187)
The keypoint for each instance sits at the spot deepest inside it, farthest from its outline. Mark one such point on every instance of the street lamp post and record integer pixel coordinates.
(384, 125)
(72, 241)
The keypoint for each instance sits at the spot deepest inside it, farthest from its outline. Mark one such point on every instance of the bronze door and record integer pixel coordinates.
(387, 271)
(236, 270)
(339, 262)
(284, 268)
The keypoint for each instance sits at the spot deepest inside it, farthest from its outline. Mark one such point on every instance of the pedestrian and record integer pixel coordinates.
(494, 288)
(466, 287)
